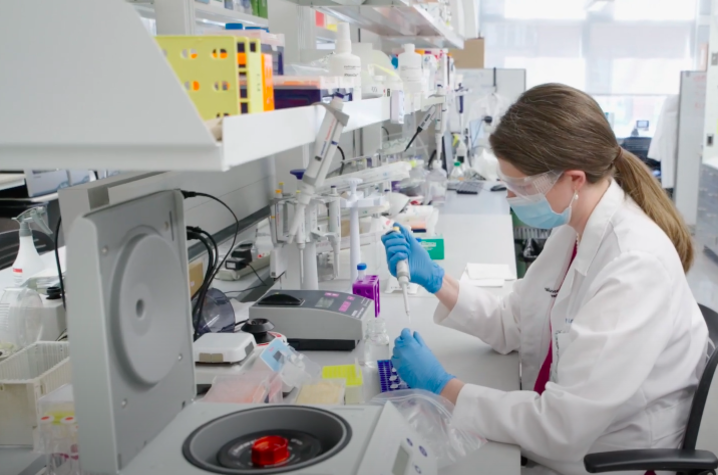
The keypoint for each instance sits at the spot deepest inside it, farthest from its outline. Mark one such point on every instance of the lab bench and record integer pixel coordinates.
(486, 237)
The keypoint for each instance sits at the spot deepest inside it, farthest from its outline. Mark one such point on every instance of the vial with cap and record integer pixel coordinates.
(361, 271)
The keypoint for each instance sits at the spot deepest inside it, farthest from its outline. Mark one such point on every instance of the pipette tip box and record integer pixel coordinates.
(369, 287)
(389, 379)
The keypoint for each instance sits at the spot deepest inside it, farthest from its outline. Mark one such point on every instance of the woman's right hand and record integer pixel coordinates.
(403, 245)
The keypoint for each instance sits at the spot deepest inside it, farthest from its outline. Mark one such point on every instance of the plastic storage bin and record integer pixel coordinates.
(253, 387)
(25, 377)
(326, 391)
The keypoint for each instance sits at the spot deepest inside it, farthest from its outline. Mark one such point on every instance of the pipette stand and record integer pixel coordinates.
(355, 202)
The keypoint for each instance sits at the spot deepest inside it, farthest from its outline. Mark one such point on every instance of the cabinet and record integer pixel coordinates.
(707, 219)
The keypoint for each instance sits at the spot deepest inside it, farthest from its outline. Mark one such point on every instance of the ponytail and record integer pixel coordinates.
(637, 181)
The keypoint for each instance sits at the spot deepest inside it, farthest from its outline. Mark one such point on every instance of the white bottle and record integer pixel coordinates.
(28, 261)
(410, 69)
(430, 67)
(461, 153)
(343, 63)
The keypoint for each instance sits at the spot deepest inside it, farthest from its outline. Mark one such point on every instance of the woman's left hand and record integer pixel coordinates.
(416, 364)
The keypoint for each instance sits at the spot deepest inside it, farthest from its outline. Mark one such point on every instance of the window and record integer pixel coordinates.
(654, 10)
(628, 54)
(624, 110)
(542, 70)
(545, 9)
(648, 76)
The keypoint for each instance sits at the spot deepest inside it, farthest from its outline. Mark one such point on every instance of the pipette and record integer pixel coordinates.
(403, 275)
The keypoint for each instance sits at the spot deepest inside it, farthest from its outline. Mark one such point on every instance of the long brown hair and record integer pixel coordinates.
(557, 127)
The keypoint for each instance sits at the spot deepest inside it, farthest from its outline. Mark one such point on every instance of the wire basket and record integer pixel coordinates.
(25, 377)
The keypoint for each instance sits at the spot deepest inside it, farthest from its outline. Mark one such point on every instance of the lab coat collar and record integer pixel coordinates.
(597, 226)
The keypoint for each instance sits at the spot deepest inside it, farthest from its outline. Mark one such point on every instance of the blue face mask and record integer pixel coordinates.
(539, 214)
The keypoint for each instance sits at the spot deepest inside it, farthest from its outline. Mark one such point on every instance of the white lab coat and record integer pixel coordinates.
(664, 144)
(629, 343)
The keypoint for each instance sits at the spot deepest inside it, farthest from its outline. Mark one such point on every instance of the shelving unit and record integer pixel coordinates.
(218, 14)
(205, 12)
(141, 120)
(400, 21)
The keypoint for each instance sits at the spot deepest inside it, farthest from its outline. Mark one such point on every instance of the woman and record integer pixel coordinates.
(611, 340)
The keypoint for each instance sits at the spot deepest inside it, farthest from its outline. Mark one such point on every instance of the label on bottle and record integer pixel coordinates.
(17, 275)
(351, 71)
(410, 74)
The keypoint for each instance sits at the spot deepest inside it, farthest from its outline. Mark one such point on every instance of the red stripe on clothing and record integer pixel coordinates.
(545, 371)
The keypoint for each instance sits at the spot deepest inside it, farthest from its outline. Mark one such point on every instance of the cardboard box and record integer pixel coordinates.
(471, 57)
(434, 246)
(196, 276)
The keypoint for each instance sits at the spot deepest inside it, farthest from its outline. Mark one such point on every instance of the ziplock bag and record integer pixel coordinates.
(431, 417)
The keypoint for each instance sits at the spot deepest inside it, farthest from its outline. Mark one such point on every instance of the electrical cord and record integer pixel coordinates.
(196, 310)
(192, 194)
(57, 261)
(255, 287)
(341, 169)
(257, 274)
(386, 131)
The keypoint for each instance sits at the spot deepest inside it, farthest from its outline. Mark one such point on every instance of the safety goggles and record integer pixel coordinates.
(531, 186)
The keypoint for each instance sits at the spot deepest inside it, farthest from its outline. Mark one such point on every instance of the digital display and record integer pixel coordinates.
(400, 462)
(324, 303)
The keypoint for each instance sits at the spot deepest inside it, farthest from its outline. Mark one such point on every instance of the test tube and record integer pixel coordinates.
(69, 435)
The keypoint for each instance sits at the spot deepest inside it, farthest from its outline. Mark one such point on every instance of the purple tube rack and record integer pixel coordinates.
(386, 371)
(368, 287)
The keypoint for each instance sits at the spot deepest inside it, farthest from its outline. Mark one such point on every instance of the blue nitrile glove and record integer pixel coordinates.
(416, 364)
(423, 270)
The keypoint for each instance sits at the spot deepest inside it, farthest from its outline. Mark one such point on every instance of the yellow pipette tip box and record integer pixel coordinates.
(354, 393)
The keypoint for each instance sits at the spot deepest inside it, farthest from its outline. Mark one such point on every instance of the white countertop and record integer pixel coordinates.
(479, 238)
(469, 237)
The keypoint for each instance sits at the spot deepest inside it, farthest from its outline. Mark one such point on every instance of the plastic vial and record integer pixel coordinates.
(361, 271)
(376, 343)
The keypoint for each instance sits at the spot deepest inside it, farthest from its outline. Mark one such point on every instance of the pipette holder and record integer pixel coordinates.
(369, 287)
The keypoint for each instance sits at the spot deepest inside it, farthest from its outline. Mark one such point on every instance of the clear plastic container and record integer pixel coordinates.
(20, 319)
(457, 173)
(436, 180)
(253, 387)
(377, 344)
(325, 391)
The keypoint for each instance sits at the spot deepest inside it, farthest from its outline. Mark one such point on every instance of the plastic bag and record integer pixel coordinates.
(431, 417)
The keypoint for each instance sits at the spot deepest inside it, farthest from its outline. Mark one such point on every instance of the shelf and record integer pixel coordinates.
(11, 180)
(212, 12)
(245, 138)
(325, 35)
(400, 21)
(218, 14)
(126, 110)
(253, 136)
